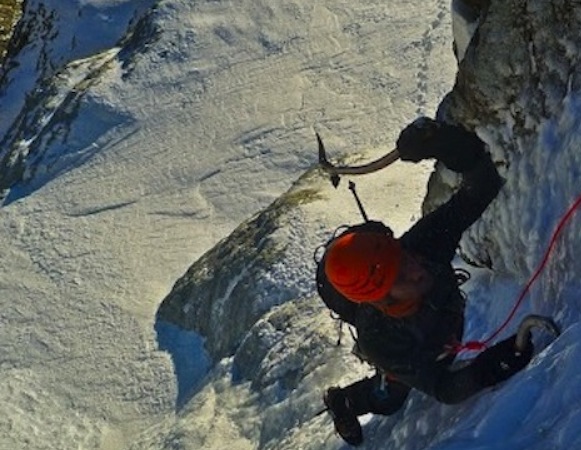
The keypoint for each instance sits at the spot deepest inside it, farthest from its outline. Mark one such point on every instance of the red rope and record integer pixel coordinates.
(481, 345)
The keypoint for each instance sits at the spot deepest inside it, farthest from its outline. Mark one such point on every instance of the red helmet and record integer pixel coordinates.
(363, 265)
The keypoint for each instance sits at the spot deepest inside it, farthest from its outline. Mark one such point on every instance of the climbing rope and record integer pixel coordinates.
(481, 345)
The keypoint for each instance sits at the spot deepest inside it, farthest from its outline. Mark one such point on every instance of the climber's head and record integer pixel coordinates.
(368, 266)
(363, 265)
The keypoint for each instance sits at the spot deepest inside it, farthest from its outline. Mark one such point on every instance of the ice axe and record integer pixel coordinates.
(334, 171)
(530, 322)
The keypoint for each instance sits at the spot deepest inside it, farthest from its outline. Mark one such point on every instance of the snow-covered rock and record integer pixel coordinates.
(227, 290)
(519, 87)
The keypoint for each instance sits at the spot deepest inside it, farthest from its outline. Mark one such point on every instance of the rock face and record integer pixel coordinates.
(523, 61)
(516, 85)
(226, 291)
(10, 11)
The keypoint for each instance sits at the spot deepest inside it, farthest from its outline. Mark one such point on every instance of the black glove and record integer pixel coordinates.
(425, 138)
(418, 140)
(501, 361)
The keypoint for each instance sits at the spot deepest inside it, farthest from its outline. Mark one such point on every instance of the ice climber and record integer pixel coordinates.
(402, 295)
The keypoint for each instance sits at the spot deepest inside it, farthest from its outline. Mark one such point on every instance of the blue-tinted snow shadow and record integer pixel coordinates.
(191, 362)
(66, 145)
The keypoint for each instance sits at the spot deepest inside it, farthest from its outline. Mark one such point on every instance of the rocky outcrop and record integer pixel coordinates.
(228, 289)
(522, 62)
(45, 78)
(10, 11)
(516, 85)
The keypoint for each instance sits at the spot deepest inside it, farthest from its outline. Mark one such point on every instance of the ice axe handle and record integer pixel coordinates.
(373, 166)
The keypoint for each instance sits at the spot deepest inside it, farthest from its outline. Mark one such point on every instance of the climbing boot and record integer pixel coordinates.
(344, 418)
